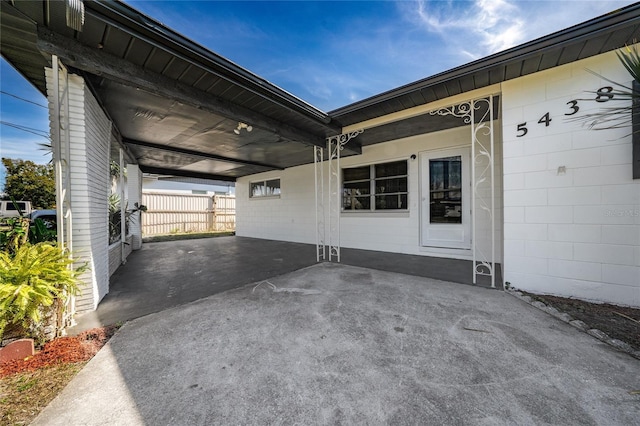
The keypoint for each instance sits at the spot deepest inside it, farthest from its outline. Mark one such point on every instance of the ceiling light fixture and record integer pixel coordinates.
(241, 126)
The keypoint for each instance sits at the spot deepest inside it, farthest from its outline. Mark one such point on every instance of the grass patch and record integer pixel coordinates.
(185, 236)
(24, 395)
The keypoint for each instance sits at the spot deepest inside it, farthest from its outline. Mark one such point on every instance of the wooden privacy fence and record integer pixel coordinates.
(177, 213)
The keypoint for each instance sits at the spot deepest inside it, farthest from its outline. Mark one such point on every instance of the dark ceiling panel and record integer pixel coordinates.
(417, 98)
(428, 94)
(550, 59)
(594, 46)
(157, 60)
(92, 31)
(531, 65)
(116, 42)
(621, 37)
(175, 68)
(192, 75)
(205, 82)
(569, 54)
(138, 52)
(441, 91)
(496, 74)
(58, 20)
(421, 124)
(467, 84)
(513, 70)
(453, 87)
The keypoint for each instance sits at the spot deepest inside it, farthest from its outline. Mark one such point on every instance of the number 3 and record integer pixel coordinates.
(574, 107)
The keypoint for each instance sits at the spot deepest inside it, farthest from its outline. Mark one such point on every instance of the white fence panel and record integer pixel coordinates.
(177, 213)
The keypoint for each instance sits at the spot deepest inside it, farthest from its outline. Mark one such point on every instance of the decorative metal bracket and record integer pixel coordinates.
(335, 144)
(482, 178)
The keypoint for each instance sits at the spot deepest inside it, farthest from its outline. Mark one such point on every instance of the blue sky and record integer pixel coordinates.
(329, 54)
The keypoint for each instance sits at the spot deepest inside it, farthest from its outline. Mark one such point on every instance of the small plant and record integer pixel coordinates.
(31, 280)
(39, 232)
(14, 232)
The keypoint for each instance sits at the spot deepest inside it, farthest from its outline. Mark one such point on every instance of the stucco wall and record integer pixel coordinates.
(292, 216)
(572, 209)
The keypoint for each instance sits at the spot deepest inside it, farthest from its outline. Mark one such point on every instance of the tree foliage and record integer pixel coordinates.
(26, 180)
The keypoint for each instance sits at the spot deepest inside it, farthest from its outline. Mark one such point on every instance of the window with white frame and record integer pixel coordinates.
(264, 188)
(376, 187)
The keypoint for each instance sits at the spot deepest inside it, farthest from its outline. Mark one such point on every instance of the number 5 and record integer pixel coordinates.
(523, 129)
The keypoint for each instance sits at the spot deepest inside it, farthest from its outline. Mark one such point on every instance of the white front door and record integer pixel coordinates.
(445, 198)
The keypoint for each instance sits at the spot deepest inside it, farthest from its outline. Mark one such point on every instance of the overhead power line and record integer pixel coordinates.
(23, 99)
(37, 132)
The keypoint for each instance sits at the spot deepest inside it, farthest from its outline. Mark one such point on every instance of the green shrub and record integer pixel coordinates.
(31, 280)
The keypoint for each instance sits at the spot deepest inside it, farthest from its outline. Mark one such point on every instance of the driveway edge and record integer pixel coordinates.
(564, 317)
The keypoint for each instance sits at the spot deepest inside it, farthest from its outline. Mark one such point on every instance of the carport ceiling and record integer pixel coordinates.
(176, 105)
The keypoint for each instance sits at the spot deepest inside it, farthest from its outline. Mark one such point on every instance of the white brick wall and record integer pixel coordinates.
(90, 131)
(292, 216)
(574, 233)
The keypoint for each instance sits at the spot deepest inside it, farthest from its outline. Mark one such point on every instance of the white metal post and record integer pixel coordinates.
(123, 214)
(318, 158)
(335, 145)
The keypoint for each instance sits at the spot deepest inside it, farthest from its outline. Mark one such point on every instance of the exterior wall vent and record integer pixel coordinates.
(75, 14)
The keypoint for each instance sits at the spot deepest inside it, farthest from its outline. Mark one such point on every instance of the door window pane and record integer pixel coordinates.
(445, 188)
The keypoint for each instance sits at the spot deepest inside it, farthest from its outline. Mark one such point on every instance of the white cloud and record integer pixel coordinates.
(488, 26)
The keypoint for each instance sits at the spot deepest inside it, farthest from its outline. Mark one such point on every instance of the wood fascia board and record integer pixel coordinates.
(103, 64)
(208, 156)
(425, 109)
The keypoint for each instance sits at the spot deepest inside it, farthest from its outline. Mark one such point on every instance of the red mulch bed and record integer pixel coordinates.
(62, 350)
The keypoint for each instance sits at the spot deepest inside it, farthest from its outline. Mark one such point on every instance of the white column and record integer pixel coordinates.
(86, 131)
(134, 187)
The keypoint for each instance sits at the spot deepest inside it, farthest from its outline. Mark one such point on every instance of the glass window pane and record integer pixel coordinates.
(385, 186)
(445, 190)
(257, 189)
(358, 188)
(273, 187)
(389, 202)
(351, 202)
(397, 168)
(356, 173)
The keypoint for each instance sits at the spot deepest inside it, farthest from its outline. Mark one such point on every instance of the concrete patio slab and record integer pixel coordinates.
(167, 274)
(336, 344)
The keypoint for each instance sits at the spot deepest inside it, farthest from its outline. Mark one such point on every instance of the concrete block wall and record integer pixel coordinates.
(571, 207)
(90, 131)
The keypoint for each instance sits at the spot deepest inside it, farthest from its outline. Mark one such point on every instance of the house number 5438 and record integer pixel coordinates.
(603, 94)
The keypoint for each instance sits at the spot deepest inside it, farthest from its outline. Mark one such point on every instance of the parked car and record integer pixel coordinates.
(49, 217)
(9, 209)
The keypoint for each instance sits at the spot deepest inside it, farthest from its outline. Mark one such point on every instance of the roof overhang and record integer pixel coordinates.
(183, 110)
(602, 34)
(180, 109)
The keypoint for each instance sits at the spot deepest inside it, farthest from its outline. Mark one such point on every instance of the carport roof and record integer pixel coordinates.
(177, 105)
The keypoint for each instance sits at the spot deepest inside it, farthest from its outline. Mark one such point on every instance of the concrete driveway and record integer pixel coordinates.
(335, 344)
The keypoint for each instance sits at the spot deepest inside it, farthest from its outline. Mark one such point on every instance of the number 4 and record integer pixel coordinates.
(545, 119)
